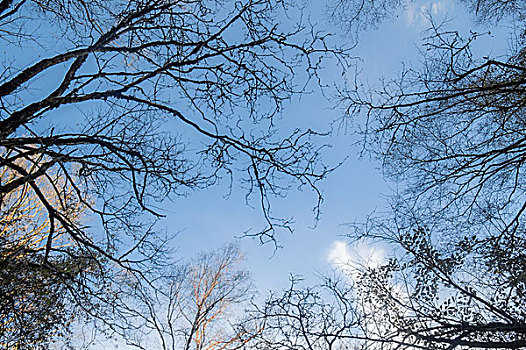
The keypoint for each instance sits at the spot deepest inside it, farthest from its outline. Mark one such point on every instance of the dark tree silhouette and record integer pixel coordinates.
(317, 317)
(34, 306)
(451, 132)
(130, 103)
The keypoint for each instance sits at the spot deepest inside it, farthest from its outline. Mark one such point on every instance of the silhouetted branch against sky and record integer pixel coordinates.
(132, 103)
(449, 130)
(113, 112)
(219, 71)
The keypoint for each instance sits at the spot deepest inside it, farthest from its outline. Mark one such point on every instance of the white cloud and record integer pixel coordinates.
(350, 258)
(438, 8)
(418, 12)
(339, 253)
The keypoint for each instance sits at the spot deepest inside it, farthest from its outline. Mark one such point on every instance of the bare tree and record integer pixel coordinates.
(199, 305)
(319, 317)
(130, 103)
(210, 68)
(451, 132)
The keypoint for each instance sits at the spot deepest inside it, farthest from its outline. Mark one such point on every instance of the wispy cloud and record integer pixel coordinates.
(418, 12)
(350, 258)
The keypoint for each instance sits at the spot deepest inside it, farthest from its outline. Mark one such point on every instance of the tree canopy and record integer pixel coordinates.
(112, 107)
(449, 131)
(108, 108)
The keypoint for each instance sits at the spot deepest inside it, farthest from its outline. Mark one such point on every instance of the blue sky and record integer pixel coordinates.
(353, 191)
